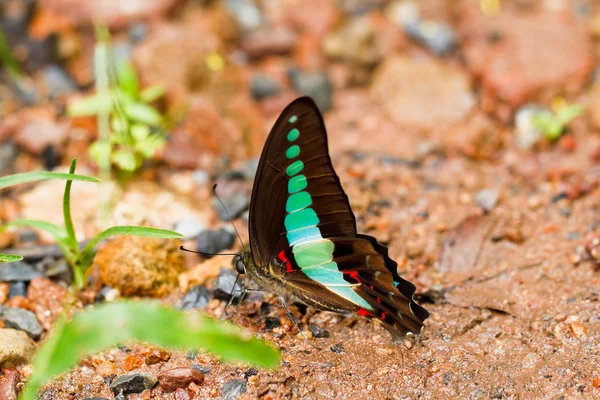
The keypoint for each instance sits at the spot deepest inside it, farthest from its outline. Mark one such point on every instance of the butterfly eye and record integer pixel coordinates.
(240, 267)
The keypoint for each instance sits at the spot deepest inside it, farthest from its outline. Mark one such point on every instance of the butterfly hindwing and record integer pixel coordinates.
(357, 279)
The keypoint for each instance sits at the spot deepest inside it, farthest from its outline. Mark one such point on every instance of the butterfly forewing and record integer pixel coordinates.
(296, 158)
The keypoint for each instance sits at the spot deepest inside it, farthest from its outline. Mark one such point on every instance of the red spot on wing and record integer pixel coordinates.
(283, 258)
(383, 315)
(364, 313)
(353, 274)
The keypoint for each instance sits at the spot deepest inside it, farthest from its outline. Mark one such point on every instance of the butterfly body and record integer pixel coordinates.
(303, 238)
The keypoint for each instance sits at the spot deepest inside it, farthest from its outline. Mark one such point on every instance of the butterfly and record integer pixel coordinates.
(303, 238)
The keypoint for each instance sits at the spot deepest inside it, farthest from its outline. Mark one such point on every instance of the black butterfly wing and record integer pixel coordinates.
(301, 219)
(364, 269)
(270, 191)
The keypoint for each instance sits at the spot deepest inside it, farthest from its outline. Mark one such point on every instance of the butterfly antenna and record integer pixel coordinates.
(214, 189)
(207, 254)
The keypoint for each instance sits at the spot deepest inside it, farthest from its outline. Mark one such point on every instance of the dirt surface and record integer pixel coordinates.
(502, 242)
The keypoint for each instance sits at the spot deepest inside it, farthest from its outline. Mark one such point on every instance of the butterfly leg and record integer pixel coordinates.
(242, 294)
(291, 317)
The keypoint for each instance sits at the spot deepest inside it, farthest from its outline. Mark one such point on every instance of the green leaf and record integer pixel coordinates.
(125, 160)
(148, 147)
(6, 258)
(128, 79)
(90, 105)
(140, 132)
(59, 234)
(143, 113)
(26, 177)
(72, 240)
(89, 332)
(99, 151)
(151, 93)
(55, 230)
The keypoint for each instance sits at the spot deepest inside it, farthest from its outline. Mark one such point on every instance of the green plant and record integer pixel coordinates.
(130, 128)
(89, 332)
(552, 123)
(7, 58)
(81, 259)
(35, 176)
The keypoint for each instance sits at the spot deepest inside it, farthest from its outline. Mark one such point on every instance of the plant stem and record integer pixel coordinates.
(67, 210)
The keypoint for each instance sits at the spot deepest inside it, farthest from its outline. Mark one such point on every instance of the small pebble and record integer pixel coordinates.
(262, 87)
(189, 226)
(23, 320)
(234, 388)
(338, 348)
(226, 285)
(133, 383)
(315, 85)
(487, 199)
(153, 355)
(236, 201)
(271, 323)
(318, 332)
(202, 368)
(18, 271)
(18, 288)
(578, 329)
(436, 36)
(196, 298)
(215, 241)
(176, 378)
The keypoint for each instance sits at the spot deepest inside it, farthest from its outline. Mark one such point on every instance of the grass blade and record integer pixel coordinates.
(89, 332)
(27, 177)
(134, 231)
(67, 209)
(59, 233)
(6, 258)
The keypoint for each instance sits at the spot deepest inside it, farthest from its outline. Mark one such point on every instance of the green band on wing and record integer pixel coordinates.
(294, 168)
(293, 134)
(297, 183)
(293, 119)
(301, 219)
(312, 253)
(292, 151)
(305, 235)
(298, 201)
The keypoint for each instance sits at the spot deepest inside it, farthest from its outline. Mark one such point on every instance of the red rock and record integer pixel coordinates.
(154, 355)
(140, 266)
(179, 378)
(365, 40)
(154, 56)
(532, 52)
(19, 302)
(596, 383)
(8, 384)
(110, 12)
(4, 288)
(421, 93)
(133, 362)
(578, 329)
(279, 40)
(315, 17)
(40, 132)
(182, 394)
(47, 300)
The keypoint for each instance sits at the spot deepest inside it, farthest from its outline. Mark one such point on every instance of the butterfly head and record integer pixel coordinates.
(239, 263)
